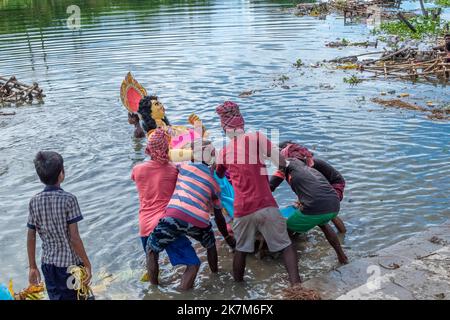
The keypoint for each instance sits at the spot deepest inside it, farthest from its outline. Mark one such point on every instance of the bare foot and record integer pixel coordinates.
(343, 259)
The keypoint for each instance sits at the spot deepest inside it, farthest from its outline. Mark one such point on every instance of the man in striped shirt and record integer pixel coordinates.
(195, 198)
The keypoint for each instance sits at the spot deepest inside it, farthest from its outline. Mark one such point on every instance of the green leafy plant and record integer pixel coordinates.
(424, 26)
(353, 80)
(299, 63)
(443, 3)
(283, 78)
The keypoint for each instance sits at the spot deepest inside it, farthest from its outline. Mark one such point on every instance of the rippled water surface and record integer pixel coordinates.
(195, 54)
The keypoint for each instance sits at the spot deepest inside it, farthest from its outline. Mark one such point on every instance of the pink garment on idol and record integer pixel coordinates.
(158, 146)
(230, 116)
(294, 150)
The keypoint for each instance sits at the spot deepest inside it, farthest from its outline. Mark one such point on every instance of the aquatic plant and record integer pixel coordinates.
(283, 78)
(424, 26)
(353, 80)
(299, 63)
(443, 3)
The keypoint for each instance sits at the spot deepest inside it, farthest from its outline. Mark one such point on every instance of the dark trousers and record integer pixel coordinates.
(56, 279)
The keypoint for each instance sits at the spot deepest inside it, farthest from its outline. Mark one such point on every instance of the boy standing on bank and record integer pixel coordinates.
(54, 214)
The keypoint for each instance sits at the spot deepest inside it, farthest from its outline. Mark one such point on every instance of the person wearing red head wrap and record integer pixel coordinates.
(230, 116)
(158, 146)
(253, 200)
(155, 181)
(293, 150)
(318, 199)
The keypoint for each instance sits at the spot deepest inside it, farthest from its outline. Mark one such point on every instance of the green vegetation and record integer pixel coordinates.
(18, 16)
(299, 63)
(425, 26)
(353, 80)
(283, 78)
(345, 42)
(443, 3)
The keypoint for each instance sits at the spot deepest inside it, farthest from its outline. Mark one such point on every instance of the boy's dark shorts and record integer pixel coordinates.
(170, 229)
(56, 283)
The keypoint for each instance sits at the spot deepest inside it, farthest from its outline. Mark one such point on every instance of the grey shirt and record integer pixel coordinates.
(312, 189)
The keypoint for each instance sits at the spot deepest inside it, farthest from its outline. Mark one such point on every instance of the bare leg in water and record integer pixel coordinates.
(188, 278)
(239, 265)
(213, 259)
(334, 241)
(339, 224)
(291, 262)
(153, 267)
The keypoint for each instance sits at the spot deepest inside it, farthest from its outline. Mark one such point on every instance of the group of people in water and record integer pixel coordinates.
(183, 201)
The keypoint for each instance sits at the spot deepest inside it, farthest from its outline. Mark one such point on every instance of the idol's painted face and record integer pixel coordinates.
(158, 110)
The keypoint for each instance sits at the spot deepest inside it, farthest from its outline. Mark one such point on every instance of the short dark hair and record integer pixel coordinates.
(49, 165)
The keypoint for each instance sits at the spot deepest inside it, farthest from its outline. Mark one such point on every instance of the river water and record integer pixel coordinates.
(194, 55)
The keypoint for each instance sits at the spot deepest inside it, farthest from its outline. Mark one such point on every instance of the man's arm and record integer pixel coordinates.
(78, 247)
(222, 226)
(220, 170)
(34, 277)
(333, 176)
(275, 182)
(328, 171)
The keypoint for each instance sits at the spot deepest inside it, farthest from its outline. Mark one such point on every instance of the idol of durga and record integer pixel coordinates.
(148, 110)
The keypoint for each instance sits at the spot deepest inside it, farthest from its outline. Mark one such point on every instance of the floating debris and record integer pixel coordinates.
(397, 103)
(408, 63)
(299, 63)
(312, 9)
(442, 113)
(392, 266)
(353, 80)
(245, 94)
(7, 113)
(351, 9)
(17, 93)
(346, 43)
(283, 78)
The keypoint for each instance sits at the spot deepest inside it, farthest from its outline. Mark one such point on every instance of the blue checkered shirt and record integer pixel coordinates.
(51, 213)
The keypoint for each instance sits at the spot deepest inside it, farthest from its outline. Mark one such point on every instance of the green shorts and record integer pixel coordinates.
(299, 222)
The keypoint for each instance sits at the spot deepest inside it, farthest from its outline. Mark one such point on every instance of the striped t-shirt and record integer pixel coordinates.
(196, 195)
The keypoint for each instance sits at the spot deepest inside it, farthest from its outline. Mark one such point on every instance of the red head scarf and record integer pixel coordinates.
(294, 150)
(158, 146)
(230, 116)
